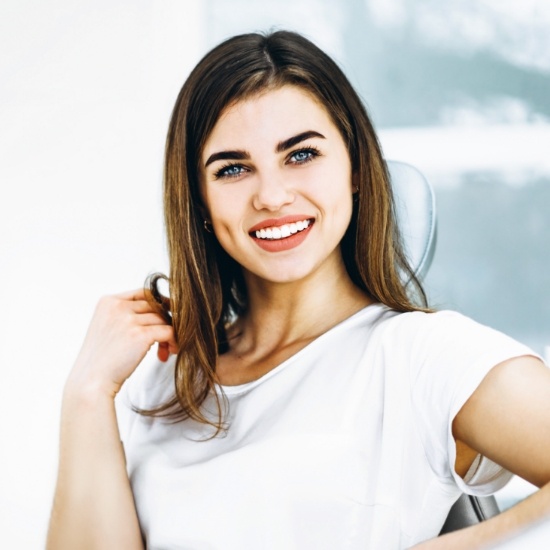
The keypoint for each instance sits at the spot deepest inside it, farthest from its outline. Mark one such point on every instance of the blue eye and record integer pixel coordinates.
(304, 155)
(229, 171)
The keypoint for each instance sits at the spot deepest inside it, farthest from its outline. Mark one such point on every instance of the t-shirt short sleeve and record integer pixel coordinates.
(451, 354)
(148, 387)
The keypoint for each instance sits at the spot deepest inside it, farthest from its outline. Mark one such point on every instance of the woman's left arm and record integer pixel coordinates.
(507, 419)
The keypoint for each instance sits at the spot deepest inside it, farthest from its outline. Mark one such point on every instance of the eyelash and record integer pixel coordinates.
(312, 152)
(219, 174)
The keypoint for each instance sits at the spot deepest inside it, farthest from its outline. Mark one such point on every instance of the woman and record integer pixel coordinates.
(303, 399)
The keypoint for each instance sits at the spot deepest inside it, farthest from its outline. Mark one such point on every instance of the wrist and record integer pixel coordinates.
(88, 390)
(92, 380)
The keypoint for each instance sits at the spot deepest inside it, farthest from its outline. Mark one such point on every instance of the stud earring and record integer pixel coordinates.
(207, 226)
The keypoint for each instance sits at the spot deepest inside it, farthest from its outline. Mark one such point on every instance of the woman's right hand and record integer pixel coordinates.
(122, 331)
(94, 506)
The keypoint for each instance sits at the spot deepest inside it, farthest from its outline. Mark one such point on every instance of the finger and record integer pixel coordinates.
(162, 334)
(140, 306)
(136, 294)
(144, 306)
(163, 352)
(147, 319)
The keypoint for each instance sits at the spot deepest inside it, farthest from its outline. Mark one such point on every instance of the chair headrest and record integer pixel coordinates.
(416, 214)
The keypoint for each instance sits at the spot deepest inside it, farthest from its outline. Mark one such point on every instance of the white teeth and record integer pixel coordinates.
(283, 231)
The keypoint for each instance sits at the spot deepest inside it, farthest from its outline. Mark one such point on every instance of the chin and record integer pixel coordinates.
(285, 275)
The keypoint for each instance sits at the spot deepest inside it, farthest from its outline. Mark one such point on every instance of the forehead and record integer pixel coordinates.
(271, 115)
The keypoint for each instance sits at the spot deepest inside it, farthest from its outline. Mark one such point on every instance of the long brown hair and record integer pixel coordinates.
(207, 288)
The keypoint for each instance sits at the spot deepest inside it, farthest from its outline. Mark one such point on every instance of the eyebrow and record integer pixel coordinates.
(225, 155)
(281, 146)
(294, 140)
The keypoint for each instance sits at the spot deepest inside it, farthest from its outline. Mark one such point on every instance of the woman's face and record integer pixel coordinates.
(276, 181)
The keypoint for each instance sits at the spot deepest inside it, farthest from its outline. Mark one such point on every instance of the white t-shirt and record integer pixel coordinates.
(345, 445)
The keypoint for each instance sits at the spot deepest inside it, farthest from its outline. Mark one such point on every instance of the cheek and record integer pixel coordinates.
(225, 211)
(334, 184)
(338, 193)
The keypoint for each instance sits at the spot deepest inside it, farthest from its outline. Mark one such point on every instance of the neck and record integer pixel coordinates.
(282, 313)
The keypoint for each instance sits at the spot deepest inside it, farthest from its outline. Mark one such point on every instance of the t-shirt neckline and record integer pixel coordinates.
(242, 388)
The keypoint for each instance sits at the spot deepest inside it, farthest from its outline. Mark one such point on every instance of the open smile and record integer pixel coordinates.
(282, 234)
(283, 231)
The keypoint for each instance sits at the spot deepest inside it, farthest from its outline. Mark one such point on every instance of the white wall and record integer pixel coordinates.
(86, 90)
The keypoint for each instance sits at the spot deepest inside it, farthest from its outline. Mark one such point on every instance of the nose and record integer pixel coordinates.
(272, 192)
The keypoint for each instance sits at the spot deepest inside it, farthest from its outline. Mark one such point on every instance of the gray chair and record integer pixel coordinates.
(416, 216)
(469, 510)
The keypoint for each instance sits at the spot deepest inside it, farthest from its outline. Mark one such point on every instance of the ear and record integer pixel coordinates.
(201, 202)
(203, 211)
(355, 183)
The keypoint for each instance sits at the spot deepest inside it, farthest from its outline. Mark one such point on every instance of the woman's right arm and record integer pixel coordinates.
(93, 504)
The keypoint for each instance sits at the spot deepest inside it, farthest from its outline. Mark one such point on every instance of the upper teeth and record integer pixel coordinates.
(282, 231)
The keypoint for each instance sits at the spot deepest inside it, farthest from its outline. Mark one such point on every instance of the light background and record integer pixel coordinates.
(460, 89)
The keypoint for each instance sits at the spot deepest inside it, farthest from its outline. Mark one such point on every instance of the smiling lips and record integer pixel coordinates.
(282, 231)
(281, 234)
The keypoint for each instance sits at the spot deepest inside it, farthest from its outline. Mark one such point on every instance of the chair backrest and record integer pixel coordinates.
(416, 216)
